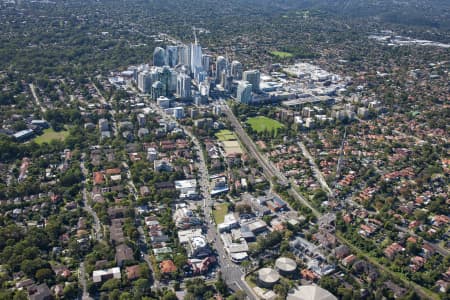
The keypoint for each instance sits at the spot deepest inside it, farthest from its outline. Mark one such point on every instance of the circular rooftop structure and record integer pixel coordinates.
(310, 292)
(285, 265)
(268, 277)
(198, 242)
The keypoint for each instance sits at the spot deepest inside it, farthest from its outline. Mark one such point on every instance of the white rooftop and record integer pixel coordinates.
(97, 275)
(185, 235)
(185, 184)
(310, 292)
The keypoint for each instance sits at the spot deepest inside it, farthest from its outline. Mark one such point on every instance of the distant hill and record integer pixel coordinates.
(434, 13)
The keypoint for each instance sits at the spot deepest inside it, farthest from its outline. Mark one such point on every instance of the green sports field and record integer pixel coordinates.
(49, 135)
(225, 135)
(261, 124)
(281, 54)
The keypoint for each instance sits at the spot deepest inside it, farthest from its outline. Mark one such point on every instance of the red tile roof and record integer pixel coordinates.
(167, 266)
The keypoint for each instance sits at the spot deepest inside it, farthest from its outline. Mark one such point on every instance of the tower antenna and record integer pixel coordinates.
(195, 35)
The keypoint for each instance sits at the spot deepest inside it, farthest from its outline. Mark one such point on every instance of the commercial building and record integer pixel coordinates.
(255, 226)
(219, 185)
(195, 243)
(253, 77)
(204, 88)
(157, 90)
(184, 218)
(183, 86)
(229, 223)
(178, 112)
(221, 65)
(171, 56)
(184, 56)
(236, 249)
(196, 59)
(187, 188)
(144, 82)
(163, 102)
(244, 92)
(236, 70)
(159, 57)
(206, 61)
(201, 76)
(165, 76)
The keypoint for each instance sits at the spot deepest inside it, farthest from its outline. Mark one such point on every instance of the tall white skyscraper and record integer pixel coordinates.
(244, 92)
(236, 70)
(221, 65)
(206, 61)
(173, 81)
(183, 86)
(184, 55)
(253, 77)
(196, 58)
(144, 82)
(154, 73)
(203, 87)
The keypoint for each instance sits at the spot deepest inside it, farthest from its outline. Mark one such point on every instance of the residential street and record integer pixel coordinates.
(231, 272)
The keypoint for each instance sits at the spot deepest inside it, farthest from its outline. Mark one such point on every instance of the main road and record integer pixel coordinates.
(268, 168)
(231, 273)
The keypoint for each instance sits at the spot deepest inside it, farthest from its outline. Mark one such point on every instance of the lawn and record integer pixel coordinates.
(281, 54)
(225, 135)
(250, 282)
(261, 124)
(49, 135)
(219, 212)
